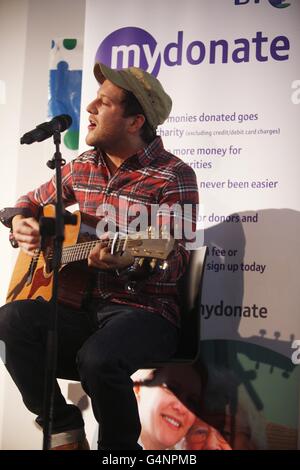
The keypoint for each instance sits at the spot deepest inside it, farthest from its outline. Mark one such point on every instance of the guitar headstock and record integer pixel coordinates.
(148, 244)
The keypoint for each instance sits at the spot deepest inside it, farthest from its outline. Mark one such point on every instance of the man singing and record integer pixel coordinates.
(118, 330)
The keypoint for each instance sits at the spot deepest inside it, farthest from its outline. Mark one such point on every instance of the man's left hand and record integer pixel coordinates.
(101, 258)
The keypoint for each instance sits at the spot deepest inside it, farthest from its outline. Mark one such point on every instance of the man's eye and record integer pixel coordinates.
(103, 102)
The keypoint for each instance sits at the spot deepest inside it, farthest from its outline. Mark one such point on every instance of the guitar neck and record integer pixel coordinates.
(81, 251)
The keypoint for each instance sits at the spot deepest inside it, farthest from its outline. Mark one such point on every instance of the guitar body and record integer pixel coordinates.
(21, 288)
(28, 283)
(32, 276)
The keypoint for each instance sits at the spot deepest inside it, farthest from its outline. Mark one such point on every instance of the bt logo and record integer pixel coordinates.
(274, 3)
(279, 3)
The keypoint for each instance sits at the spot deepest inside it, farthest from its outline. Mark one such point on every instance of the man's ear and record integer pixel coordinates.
(137, 123)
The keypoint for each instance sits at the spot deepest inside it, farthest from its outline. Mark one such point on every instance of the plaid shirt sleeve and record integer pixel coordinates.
(30, 204)
(46, 193)
(182, 194)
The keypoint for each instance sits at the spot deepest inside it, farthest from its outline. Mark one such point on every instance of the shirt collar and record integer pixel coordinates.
(144, 157)
(151, 152)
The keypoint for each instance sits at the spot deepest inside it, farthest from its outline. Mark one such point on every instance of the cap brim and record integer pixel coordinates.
(102, 72)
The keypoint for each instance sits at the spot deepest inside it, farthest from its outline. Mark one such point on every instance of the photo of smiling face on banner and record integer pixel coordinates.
(165, 420)
(169, 401)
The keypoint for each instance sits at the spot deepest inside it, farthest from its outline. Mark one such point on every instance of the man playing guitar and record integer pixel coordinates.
(116, 329)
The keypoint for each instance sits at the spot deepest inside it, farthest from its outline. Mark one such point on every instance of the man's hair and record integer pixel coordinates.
(132, 107)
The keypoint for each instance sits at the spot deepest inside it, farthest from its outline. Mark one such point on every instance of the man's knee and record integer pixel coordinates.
(19, 316)
(6, 313)
(92, 364)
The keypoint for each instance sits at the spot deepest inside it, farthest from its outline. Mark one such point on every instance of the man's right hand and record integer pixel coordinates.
(26, 231)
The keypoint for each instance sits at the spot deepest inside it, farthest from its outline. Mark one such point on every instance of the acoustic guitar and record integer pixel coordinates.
(33, 276)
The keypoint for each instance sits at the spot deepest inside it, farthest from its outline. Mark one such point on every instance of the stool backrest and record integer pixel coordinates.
(191, 281)
(190, 288)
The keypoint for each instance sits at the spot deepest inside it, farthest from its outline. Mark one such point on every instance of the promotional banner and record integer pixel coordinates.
(232, 70)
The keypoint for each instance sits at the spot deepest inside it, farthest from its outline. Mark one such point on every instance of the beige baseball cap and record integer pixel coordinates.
(146, 88)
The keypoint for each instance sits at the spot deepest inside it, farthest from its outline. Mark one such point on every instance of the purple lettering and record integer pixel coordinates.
(201, 52)
(244, 51)
(177, 47)
(258, 40)
(280, 47)
(213, 46)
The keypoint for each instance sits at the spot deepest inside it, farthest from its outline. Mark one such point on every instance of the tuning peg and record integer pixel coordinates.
(153, 263)
(163, 266)
(141, 262)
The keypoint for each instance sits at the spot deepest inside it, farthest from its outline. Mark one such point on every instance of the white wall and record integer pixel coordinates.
(13, 17)
(26, 30)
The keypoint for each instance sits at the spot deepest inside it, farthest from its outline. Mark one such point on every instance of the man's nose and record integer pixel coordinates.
(91, 108)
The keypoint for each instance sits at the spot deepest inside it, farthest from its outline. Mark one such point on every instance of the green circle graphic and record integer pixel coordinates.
(71, 140)
(70, 43)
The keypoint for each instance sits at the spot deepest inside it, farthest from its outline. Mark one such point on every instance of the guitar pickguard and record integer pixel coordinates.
(39, 282)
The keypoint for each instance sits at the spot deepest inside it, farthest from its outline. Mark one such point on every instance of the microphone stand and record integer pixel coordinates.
(53, 227)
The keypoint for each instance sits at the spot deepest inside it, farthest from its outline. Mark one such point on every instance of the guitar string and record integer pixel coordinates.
(81, 250)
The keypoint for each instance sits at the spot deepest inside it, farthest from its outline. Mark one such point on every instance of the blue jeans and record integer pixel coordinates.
(101, 346)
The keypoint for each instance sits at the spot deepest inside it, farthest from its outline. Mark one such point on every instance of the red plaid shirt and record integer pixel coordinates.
(152, 176)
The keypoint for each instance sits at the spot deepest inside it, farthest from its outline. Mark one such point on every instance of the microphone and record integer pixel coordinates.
(47, 129)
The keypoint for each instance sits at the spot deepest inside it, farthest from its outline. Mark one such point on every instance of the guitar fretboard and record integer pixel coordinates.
(81, 251)
(140, 247)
